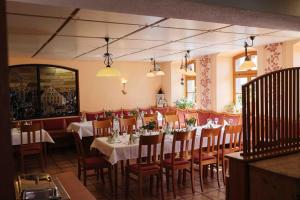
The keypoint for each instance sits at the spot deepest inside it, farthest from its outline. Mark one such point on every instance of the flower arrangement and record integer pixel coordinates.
(191, 121)
(184, 103)
(232, 108)
(108, 113)
(149, 126)
(134, 113)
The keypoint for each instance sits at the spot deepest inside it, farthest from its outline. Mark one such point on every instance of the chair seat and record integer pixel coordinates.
(204, 156)
(152, 167)
(95, 162)
(227, 151)
(177, 162)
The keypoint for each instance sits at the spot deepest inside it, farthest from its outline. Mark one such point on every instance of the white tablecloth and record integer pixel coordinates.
(124, 151)
(16, 136)
(85, 129)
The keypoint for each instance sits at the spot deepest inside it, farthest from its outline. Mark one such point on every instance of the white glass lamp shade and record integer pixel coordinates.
(108, 72)
(160, 73)
(182, 71)
(247, 65)
(150, 74)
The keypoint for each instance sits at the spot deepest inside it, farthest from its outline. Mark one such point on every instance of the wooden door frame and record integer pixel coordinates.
(7, 171)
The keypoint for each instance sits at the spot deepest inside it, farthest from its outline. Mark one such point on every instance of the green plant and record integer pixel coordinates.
(232, 108)
(184, 103)
(191, 121)
(149, 126)
(108, 113)
(134, 113)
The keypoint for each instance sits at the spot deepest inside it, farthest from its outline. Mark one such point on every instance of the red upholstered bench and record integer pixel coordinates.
(55, 127)
(91, 116)
(70, 120)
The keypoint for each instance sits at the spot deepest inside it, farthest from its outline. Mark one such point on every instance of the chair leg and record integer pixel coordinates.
(84, 177)
(22, 163)
(110, 178)
(97, 174)
(218, 179)
(223, 169)
(42, 161)
(192, 178)
(122, 168)
(173, 182)
(102, 176)
(211, 167)
(201, 177)
(126, 181)
(161, 185)
(151, 184)
(140, 182)
(184, 177)
(79, 170)
(157, 182)
(179, 177)
(167, 179)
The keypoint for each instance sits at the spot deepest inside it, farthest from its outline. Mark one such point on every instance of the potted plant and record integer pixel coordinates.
(191, 122)
(184, 103)
(150, 126)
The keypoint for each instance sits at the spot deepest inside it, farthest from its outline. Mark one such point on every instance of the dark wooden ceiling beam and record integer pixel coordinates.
(56, 32)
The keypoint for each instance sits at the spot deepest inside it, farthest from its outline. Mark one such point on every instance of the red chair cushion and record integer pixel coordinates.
(54, 124)
(144, 167)
(203, 157)
(178, 161)
(95, 162)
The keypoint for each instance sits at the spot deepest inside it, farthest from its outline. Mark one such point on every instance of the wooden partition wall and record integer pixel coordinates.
(271, 113)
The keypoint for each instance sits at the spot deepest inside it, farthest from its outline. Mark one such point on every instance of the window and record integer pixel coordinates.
(38, 91)
(241, 77)
(190, 83)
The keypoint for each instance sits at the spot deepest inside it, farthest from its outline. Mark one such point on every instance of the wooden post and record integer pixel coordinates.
(6, 153)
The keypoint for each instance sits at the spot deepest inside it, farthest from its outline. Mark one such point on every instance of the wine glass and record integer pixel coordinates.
(96, 116)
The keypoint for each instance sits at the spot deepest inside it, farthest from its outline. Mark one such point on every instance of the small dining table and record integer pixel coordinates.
(123, 150)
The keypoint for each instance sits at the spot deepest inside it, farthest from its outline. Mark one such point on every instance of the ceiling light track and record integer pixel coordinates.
(57, 31)
(124, 36)
(32, 15)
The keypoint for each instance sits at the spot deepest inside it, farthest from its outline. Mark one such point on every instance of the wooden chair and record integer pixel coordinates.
(102, 128)
(234, 132)
(188, 116)
(15, 124)
(172, 120)
(127, 124)
(31, 143)
(150, 118)
(90, 162)
(146, 165)
(208, 153)
(183, 161)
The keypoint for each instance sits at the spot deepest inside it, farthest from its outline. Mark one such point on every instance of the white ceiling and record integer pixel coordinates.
(30, 26)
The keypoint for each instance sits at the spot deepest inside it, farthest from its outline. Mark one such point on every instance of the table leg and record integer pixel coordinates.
(45, 154)
(116, 178)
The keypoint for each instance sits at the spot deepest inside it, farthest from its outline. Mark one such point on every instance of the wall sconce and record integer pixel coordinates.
(124, 81)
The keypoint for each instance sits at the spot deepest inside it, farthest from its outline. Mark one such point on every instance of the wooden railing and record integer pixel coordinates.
(271, 113)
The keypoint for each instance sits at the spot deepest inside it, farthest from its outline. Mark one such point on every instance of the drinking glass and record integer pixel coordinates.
(216, 121)
(96, 116)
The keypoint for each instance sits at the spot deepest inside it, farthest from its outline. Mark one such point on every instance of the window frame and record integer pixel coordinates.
(187, 78)
(241, 74)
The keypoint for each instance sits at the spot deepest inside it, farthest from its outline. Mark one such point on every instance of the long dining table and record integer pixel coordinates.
(123, 150)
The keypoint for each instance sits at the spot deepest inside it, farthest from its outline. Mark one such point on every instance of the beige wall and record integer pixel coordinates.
(105, 93)
(296, 55)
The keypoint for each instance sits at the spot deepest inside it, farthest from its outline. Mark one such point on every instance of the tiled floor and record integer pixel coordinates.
(65, 161)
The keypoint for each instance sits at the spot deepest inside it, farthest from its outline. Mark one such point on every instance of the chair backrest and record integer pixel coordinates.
(186, 142)
(102, 127)
(234, 132)
(210, 141)
(33, 133)
(79, 146)
(127, 124)
(151, 141)
(172, 120)
(188, 116)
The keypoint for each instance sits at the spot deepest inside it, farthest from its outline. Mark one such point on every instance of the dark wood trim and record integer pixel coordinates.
(57, 31)
(7, 170)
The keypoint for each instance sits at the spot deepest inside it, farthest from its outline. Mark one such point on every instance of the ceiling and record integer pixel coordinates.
(52, 32)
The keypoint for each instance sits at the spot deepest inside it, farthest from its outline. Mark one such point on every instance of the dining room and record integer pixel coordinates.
(152, 101)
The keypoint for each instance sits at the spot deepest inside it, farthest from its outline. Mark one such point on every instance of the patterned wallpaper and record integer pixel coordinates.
(205, 82)
(273, 57)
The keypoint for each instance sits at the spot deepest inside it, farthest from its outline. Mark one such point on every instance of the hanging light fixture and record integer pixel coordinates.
(186, 69)
(108, 71)
(248, 64)
(156, 71)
